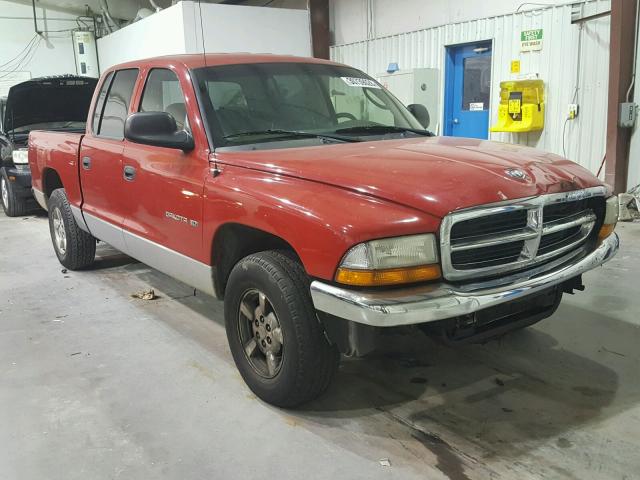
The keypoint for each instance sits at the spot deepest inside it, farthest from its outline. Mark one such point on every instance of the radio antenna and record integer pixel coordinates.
(204, 52)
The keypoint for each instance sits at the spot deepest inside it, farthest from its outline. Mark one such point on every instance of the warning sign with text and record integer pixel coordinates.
(531, 40)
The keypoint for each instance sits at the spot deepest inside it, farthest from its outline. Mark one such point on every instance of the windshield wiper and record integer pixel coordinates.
(381, 129)
(290, 133)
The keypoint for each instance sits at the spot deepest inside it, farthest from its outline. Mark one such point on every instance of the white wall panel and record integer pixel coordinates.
(238, 28)
(390, 17)
(159, 34)
(556, 64)
(53, 54)
(227, 28)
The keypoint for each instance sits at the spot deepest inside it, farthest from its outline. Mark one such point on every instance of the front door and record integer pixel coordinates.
(467, 90)
(165, 186)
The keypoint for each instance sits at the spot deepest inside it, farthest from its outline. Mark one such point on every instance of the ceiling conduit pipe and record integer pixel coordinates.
(108, 20)
(155, 5)
(35, 18)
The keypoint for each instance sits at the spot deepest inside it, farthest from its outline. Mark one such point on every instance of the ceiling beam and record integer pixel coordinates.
(320, 35)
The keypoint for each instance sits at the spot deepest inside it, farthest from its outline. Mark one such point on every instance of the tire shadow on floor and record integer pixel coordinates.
(504, 398)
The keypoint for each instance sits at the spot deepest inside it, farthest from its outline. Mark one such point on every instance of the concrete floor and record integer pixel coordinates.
(97, 385)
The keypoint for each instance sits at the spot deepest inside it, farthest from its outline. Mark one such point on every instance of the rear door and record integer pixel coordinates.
(104, 201)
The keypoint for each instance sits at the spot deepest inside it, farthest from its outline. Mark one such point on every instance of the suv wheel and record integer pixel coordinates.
(75, 248)
(275, 337)
(12, 204)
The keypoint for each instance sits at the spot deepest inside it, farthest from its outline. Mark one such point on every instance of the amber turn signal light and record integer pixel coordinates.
(610, 218)
(606, 230)
(392, 276)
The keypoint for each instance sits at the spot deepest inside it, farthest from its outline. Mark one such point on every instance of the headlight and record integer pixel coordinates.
(391, 261)
(610, 217)
(20, 157)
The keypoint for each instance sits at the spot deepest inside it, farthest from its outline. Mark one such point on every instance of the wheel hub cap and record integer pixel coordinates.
(59, 233)
(5, 193)
(260, 333)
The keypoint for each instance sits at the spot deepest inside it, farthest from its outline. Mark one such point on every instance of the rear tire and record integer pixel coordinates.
(75, 248)
(12, 204)
(275, 337)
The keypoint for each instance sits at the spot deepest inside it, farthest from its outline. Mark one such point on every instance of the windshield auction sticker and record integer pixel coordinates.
(360, 82)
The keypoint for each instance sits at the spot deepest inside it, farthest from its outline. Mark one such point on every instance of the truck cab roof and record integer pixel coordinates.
(192, 61)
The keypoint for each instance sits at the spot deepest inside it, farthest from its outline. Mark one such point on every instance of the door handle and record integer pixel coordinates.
(86, 163)
(129, 173)
(456, 121)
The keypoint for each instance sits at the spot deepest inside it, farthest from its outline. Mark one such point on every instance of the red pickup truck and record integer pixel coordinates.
(319, 207)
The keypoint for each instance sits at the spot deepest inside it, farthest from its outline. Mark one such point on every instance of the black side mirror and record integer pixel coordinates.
(158, 129)
(421, 113)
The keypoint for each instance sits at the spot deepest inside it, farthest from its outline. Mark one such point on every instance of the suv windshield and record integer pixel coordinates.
(275, 102)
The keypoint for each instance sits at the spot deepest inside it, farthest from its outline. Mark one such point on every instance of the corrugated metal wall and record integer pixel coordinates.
(558, 63)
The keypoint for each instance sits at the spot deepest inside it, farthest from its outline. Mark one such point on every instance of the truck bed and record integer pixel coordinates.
(58, 151)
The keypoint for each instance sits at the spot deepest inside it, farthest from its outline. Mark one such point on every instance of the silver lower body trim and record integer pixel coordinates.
(179, 266)
(40, 198)
(78, 216)
(106, 232)
(434, 302)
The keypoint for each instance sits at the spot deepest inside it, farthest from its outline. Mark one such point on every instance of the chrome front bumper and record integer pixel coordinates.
(433, 302)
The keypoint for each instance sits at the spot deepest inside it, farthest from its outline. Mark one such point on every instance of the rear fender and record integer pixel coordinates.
(56, 152)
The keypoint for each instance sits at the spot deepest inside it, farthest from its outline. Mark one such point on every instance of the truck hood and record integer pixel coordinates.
(435, 175)
(47, 100)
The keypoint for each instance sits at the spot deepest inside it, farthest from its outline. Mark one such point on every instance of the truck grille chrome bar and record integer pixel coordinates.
(492, 240)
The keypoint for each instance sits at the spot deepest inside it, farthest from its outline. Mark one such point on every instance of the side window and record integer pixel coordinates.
(100, 103)
(162, 93)
(117, 105)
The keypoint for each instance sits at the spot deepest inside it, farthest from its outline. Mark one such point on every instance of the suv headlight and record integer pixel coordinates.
(20, 157)
(391, 261)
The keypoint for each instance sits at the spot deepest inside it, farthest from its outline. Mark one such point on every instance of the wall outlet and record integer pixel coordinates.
(573, 111)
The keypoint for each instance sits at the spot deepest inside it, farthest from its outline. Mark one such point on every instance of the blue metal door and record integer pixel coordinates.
(467, 90)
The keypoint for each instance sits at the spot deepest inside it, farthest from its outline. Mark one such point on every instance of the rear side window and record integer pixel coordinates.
(116, 106)
(162, 93)
(100, 102)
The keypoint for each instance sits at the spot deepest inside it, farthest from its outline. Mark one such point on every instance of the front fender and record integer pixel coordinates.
(321, 222)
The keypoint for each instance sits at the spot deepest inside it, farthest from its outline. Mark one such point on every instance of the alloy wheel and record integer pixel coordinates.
(59, 233)
(260, 333)
(5, 192)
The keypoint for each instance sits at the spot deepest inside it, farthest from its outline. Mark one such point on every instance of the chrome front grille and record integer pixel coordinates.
(494, 239)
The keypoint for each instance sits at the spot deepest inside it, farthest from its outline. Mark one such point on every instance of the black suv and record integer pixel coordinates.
(48, 103)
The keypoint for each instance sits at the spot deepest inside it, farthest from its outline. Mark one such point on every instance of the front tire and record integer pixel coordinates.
(275, 337)
(12, 204)
(75, 248)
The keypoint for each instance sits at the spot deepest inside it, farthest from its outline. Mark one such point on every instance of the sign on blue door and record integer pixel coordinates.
(467, 90)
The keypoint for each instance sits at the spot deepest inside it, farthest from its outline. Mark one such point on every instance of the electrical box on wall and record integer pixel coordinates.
(86, 54)
(627, 115)
(420, 85)
(521, 106)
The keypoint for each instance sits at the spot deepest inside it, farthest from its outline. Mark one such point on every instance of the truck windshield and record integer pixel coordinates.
(276, 102)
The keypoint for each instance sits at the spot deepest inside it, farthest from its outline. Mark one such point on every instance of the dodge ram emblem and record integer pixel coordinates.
(516, 173)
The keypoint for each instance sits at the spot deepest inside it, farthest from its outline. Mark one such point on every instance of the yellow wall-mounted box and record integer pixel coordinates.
(521, 106)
